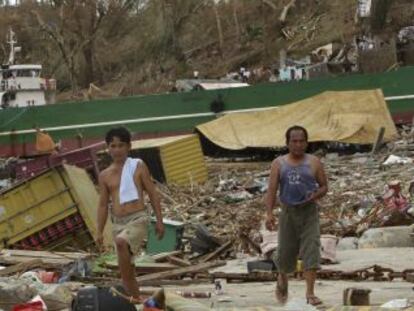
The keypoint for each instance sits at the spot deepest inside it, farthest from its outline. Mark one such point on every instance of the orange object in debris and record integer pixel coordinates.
(44, 143)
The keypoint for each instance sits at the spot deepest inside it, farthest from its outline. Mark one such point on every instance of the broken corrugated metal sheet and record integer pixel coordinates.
(177, 159)
(82, 157)
(84, 193)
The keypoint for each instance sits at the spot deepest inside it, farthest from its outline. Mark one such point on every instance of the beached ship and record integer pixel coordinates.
(21, 85)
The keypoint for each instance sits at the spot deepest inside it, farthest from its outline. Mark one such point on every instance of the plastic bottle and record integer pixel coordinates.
(155, 302)
(151, 303)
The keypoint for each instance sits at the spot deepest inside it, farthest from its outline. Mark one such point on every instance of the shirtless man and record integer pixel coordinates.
(301, 181)
(130, 220)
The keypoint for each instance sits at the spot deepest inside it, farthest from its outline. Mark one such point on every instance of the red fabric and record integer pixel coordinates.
(48, 277)
(31, 306)
(394, 199)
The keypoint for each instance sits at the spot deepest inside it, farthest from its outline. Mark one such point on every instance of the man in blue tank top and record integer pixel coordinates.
(301, 181)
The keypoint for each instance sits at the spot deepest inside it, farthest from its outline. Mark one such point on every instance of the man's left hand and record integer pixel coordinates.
(311, 198)
(159, 229)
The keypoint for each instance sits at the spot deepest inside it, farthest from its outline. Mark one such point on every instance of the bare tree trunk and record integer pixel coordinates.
(236, 20)
(285, 11)
(88, 49)
(68, 58)
(219, 28)
(265, 32)
(72, 74)
(169, 11)
(84, 44)
(88, 52)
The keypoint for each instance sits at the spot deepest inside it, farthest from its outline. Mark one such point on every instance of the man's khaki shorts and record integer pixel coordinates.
(299, 236)
(133, 228)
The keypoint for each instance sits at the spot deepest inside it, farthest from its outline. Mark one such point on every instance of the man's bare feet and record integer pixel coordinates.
(281, 291)
(313, 300)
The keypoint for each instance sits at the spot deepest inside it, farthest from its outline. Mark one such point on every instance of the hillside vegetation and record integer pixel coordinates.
(142, 46)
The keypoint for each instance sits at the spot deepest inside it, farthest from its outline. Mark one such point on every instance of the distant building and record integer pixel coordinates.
(187, 85)
(303, 69)
(291, 73)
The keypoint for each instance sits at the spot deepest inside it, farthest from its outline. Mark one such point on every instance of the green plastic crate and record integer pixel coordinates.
(171, 241)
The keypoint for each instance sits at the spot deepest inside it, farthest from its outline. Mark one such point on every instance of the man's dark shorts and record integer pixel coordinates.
(299, 236)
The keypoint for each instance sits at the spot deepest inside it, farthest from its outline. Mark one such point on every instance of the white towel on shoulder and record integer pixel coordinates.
(127, 189)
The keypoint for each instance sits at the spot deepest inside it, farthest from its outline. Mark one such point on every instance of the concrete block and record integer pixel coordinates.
(347, 244)
(399, 236)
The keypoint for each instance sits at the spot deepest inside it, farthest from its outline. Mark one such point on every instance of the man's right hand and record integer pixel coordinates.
(270, 222)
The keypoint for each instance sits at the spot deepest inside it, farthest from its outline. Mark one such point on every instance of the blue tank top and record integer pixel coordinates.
(296, 183)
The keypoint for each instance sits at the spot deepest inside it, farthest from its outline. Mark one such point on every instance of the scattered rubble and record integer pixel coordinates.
(362, 196)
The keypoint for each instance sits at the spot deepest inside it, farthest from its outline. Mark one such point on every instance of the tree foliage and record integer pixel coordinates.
(136, 46)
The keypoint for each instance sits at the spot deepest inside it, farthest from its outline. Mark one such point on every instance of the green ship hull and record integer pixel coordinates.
(82, 123)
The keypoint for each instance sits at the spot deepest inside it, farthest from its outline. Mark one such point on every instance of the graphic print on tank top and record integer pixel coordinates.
(294, 176)
(297, 183)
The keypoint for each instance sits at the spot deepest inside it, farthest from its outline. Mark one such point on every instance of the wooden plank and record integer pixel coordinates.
(106, 281)
(163, 256)
(22, 267)
(17, 260)
(246, 277)
(217, 252)
(43, 254)
(181, 271)
(154, 268)
(13, 256)
(145, 267)
(178, 261)
(175, 282)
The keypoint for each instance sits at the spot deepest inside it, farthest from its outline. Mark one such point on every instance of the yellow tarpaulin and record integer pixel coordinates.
(349, 117)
